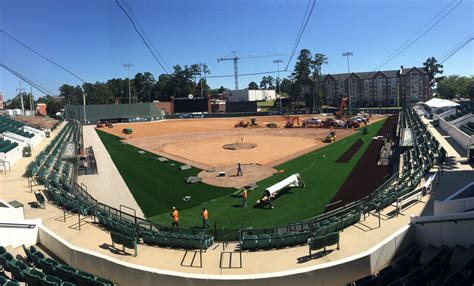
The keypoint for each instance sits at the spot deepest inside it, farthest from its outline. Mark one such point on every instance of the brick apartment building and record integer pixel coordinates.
(378, 89)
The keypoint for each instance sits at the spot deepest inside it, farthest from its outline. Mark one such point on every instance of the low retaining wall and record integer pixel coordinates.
(332, 273)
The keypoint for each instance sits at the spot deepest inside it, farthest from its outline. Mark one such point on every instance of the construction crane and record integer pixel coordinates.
(236, 59)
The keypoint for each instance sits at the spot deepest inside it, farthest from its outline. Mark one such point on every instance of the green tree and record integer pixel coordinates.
(72, 94)
(143, 84)
(432, 67)
(301, 89)
(253, 85)
(267, 82)
(52, 106)
(316, 65)
(454, 85)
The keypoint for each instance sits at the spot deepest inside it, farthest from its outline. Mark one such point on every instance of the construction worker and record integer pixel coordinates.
(244, 198)
(205, 216)
(175, 217)
(239, 169)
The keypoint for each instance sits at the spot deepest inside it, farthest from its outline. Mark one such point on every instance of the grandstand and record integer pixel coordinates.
(459, 124)
(14, 136)
(371, 240)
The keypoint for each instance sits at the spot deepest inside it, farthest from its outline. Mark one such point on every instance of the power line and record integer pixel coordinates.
(417, 38)
(146, 36)
(42, 56)
(299, 36)
(141, 36)
(456, 49)
(414, 34)
(25, 79)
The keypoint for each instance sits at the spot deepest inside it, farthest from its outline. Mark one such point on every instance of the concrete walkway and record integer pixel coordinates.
(108, 185)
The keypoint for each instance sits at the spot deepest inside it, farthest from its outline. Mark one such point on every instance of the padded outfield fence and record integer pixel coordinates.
(416, 163)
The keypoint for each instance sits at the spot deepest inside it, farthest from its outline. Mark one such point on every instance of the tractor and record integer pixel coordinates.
(127, 130)
(241, 124)
(331, 137)
(291, 122)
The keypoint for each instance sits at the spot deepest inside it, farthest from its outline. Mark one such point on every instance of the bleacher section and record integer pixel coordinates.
(427, 266)
(468, 128)
(38, 269)
(462, 110)
(14, 136)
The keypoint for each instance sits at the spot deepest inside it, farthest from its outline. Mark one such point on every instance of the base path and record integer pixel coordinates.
(251, 174)
(107, 186)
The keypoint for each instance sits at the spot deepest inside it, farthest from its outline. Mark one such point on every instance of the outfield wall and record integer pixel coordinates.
(333, 273)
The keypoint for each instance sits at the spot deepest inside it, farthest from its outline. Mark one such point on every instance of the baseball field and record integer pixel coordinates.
(159, 186)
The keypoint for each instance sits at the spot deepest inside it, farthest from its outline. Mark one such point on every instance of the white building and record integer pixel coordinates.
(252, 95)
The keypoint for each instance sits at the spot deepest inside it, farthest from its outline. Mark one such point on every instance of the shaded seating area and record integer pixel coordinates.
(38, 269)
(426, 266)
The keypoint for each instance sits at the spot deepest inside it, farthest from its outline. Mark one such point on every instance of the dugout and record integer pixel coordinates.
(114, 113)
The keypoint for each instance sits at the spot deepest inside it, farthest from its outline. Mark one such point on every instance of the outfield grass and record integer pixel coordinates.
(157, 187)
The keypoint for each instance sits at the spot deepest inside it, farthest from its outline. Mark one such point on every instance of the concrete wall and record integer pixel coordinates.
(252, 95)
(17, 235)
(452, 129)
(453, 206)
(332, 273)
(452, 230)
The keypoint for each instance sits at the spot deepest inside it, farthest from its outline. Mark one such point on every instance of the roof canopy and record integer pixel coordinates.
(440, 103)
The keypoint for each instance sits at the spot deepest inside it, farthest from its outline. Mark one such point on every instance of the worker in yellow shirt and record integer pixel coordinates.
(205, 216)
(175, 217)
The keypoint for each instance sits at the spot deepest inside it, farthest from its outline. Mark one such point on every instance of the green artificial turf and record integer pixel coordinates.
(157, 186)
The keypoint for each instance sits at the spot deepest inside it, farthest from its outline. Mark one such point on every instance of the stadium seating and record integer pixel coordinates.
(463, 109)
(41, 270)
(319, 242)
(468, 128)
(425, 266)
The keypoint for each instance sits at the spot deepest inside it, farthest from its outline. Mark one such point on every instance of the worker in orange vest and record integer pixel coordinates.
(205, 216)
(244, 198)
(175, 217)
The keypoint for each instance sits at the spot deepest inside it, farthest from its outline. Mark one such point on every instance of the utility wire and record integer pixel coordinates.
(421, 35)
(453, 52)
(141, 36)
(298, 37)
(42, 56)
(25, 79)
(146, 36)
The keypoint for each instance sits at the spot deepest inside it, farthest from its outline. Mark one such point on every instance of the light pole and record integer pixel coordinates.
(348, 54)
(84, 103)
(278, 62)
(128, 66)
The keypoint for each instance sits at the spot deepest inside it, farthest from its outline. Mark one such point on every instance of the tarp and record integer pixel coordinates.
(440, 103)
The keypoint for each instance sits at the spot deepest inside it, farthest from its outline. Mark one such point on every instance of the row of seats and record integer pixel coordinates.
(38, 269)
(463, 109)
(7, 145)
(468, 128)
(269, 241)
(177, 240)
(10, 125)
(426, 266)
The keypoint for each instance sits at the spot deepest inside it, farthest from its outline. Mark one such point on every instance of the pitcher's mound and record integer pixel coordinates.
(252, 173)
(239, 146)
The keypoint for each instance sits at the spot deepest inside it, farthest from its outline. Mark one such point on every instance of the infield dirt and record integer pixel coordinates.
(199, 142)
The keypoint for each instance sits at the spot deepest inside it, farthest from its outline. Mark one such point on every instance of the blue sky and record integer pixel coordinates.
(94, 38)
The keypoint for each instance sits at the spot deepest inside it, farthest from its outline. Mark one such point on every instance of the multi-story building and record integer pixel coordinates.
(377, 89)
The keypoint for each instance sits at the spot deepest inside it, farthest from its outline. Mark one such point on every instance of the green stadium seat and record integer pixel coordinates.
(125, 240)
(103, 282)
(83, 278)
(277, 241)
(33, 277)
(264, 241)
(173, 240)
(161, 239)
(249, 242)
(148, 237)
(185, 242)
(331, 239)
(65, 272)
(316, 243)
(302, 237)
(289, 239)
(47, 280)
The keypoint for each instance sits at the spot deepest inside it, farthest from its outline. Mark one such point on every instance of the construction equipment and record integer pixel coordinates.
(99, 124)
(127, 130)
(351, 123)
(328, 123)
(331, 137)
(312, 122)
(109, 125)
(291, 122)
(342, 106)
(272, 125)
(241, 124)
